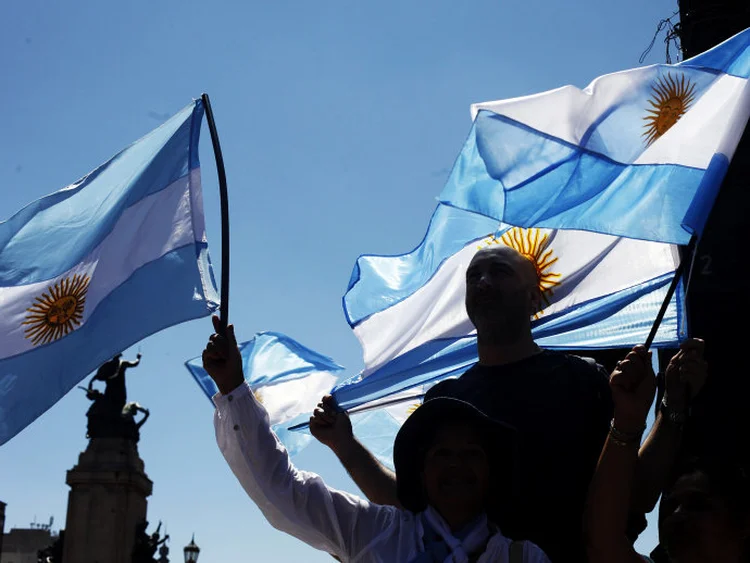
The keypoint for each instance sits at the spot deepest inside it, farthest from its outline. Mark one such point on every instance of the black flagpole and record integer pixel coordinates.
(687, 258)
(365, 408)
(224, 304)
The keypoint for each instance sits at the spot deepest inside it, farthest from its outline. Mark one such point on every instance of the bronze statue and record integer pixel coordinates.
(110, 415)
(128, 414)
(145, 545)
(163, 554)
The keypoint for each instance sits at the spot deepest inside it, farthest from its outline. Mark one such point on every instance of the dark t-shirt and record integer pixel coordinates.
(561, 406)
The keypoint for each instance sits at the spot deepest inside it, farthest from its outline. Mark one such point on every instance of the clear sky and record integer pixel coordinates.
(339, 122)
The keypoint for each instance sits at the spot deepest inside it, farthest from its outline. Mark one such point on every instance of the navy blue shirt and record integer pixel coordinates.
(561, 406)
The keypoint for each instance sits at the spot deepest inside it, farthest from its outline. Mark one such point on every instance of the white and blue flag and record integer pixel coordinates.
(90, 270)
(287, 378)
(639, 153)
(408, 311)
(597, 187)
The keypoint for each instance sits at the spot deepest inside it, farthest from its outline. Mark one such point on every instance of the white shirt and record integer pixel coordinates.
(299, 503)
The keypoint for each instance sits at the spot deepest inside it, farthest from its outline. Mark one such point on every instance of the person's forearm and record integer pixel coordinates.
(376, 481)
(607, 509)
(296, 502)
(655, 462)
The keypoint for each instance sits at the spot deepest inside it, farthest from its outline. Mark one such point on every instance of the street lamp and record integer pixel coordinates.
(191, 551)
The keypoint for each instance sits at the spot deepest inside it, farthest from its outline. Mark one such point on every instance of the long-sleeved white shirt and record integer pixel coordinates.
(301, 504)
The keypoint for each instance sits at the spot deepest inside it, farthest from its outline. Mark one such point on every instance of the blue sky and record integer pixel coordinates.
(339, 123)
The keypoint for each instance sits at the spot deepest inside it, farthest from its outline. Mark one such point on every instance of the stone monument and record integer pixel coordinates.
(108, 486)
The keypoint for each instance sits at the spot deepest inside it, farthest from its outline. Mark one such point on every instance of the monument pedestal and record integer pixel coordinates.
(107, 500)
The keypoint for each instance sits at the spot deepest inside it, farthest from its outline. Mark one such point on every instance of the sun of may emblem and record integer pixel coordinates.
(671, 98)
(535, 247)
(58, 311)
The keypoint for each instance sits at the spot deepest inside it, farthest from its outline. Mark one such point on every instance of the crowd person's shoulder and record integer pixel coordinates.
(548, 363)
(593, 380)
(589, 375)
(588, 367)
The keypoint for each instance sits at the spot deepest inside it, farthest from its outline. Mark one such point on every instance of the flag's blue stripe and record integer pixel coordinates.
(195, 134)
(203, 380)
(376, 430)
(60, 229)
(731, 57)
(568, 187)
(294, 441)
(269, 358)
(616, 320)
(708, 190)
(608, 322)
(160, 294)
(274, 357)
(379, 282)
(428, 363)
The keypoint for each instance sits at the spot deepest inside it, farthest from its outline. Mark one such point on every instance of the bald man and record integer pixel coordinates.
(560, 404)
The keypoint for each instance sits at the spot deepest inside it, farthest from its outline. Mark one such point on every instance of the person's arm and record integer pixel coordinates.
(684, 377)
(609, 499)
(334, 429)
(132, 364)
(293, 501)
(146, 414)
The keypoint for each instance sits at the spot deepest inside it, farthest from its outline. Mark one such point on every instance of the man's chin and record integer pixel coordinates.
(499, 330)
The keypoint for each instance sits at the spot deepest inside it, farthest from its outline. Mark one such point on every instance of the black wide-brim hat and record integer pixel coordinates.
(418, 432)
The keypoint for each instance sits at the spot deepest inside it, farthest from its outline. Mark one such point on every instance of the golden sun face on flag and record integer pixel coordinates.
(412, 408)
(532, 245)
(671, 98)
(58, 311)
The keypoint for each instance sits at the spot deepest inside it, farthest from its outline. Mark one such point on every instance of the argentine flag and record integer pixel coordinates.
(89, 270)
(287, 378)
(408, 311)
(597, 187)
(639, 153)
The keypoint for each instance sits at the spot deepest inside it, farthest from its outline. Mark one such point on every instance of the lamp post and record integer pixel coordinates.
(191, 551)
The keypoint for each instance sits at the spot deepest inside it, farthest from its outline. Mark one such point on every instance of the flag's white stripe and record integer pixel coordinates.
(158, 224)
(435, 310)
(713, 125)
(286, 400)
(550, 111)
(567, 113)
(591, 265)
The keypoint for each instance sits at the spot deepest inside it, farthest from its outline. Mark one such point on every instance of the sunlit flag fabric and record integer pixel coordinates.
(89, 270)
(376, 428)
(408, 311)
(288, 378)
(639, 153)
(595, 186)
